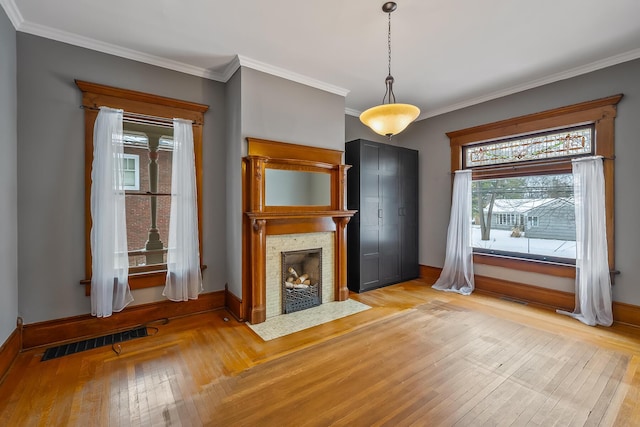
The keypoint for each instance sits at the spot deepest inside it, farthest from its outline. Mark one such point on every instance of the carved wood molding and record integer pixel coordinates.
(260, 220)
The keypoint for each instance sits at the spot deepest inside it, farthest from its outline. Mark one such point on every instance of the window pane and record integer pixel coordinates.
(129, 178)
(165, 159)
(530, 216)
(568, 143)
(147, 236)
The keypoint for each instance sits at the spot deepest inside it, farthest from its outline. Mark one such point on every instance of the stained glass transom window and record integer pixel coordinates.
(566, 143)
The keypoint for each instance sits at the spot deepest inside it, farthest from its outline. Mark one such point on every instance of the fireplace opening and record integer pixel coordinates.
(302, 279)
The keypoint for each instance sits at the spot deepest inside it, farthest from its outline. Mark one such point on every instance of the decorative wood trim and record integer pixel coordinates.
(139, 280)
(528, 293)
(583, 112)
(86, 326)
(626, 313)
(96, 95)
(558, 270)
(600, 112)
(287, 152)
(300, 225)
(148, 105)
(340, 272)
(499, 287)
(550, 298)
(260, 220)
(429, 274)
(9, 351)
(258, 313)
(234, 305)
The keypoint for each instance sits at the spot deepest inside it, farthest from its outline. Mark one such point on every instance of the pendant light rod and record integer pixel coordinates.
(389, 7)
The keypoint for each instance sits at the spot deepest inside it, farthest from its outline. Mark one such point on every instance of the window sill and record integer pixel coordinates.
(140, 280)
(534, 266)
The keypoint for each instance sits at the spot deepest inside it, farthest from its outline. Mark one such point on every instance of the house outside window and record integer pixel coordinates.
(529, 216)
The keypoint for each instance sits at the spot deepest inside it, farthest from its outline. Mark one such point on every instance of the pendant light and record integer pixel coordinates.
(389, 118)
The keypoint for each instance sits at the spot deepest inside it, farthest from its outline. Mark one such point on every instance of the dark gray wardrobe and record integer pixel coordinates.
(382, 238)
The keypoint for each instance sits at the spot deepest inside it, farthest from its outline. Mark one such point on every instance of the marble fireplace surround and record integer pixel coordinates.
(276, 245)
(260, 221)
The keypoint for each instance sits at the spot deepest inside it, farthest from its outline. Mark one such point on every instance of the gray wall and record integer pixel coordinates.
(235, 144)
(429, 137)
(275, 109)
(51, 169)
(8, 180)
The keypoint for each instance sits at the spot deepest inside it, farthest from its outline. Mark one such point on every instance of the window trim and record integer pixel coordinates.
(145, 108)
(600, 113)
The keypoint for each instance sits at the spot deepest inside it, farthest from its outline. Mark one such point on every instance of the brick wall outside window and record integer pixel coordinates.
(139, 207)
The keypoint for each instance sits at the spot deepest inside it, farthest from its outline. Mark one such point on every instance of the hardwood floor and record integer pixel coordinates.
(418, 357)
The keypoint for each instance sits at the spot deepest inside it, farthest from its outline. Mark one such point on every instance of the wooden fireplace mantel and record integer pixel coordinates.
(261, 220)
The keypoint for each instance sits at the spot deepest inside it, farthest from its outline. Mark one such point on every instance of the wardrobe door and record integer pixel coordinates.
(409, 214)
(389, 215)
(370, 212)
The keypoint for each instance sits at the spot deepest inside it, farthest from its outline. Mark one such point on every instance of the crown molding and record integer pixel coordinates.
(224, 76)
(97, 45)
(231, 68)
(573, 72)
(13, 13)
(16, 18)
(245, 61)
(352, 112)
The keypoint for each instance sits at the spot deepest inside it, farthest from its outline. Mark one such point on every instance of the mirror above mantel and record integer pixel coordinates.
(293, 178)
(284, 187)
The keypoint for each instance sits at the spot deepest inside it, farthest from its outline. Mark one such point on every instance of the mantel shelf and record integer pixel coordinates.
(301, 214)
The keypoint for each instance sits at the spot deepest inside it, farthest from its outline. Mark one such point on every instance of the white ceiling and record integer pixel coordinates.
(446, 54)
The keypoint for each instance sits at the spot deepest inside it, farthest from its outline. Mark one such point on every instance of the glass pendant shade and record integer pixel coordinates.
(389, 119)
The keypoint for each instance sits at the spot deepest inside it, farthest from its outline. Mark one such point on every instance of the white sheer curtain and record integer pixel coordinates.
(109, 259)
(593, 282)
(184, 279)
(457, 273)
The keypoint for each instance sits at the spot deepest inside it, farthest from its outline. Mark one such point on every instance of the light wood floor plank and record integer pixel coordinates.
(417, 357)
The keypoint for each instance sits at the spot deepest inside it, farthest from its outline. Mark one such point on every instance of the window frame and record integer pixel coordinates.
(145, 108)
(600, 113)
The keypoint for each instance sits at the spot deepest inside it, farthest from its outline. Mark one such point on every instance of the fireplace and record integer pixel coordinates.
(272, 227)
(302, 286)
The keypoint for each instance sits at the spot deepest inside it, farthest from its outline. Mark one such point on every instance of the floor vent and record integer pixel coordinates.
(517, 301)
(76, 347)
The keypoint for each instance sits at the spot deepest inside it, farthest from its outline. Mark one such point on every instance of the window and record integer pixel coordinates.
(522, 183)
(525, 216)
(148, 204)
(147, 158)
(131, 167)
